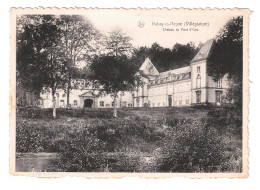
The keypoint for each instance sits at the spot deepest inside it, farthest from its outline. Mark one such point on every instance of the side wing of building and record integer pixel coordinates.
(84, 96)
(180, 87)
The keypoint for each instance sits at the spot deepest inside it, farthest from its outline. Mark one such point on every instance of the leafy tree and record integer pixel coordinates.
(165, 59)
(113, 74)
(79, 41)
(118, 44)
(113, 71)
(227, 58)
(40, 59)
(183, 54)
(32, 32)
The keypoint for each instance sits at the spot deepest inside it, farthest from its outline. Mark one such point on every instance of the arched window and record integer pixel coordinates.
(198, 81)
(75, 103)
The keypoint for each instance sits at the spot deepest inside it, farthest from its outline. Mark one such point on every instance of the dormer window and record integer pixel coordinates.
(198, 69)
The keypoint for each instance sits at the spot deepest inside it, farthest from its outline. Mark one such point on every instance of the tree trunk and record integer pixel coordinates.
(115, 110)
(68, 93)
(53, 106)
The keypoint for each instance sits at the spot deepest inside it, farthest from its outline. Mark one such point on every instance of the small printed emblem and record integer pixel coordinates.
(140, 24)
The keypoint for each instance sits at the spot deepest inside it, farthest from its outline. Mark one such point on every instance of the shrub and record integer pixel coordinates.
(33, 136)
(192, 147)
(227, 121)
(81, 151)
(28, 140)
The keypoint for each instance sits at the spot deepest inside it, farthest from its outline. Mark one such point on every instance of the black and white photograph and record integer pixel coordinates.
(129, 91)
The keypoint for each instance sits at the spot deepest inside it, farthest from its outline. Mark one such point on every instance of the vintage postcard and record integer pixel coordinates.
(152, 93)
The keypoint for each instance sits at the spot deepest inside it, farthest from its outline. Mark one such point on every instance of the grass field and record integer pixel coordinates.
(185, 139)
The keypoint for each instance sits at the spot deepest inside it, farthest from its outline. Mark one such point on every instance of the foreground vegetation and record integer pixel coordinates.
(191, 139)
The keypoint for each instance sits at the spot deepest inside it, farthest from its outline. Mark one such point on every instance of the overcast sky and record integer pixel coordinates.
(105, 20)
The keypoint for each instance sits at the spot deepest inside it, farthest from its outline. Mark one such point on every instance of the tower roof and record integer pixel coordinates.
(203, 52)
(148, 69)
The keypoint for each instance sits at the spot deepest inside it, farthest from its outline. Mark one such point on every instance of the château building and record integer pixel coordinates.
(179, 87)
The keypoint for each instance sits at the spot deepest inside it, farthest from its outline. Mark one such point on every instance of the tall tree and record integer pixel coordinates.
(79, 40)
(118, 44)
(113, 70)
(227, 58)
(113, 74)
(40, 60)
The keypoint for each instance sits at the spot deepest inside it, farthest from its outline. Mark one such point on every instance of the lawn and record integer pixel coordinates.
(184, 139)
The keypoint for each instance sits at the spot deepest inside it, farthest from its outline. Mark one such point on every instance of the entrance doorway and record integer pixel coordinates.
(198, 97)
(88, 103)
(170, 100)
(218, 97)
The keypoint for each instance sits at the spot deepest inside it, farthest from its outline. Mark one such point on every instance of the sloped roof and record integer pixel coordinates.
(175, 71)
(88, 93)
(203, 52)
(183, 73)
(148, 68)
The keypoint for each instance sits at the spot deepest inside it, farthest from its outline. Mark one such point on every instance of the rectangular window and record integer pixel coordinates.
(112, 104)
(101, 103)
(175, 89)
(41, 102)
(219, 83)
(175, 100)
(198, 69)
(180, 100)
(75, 102)
(180, 88)
(187, 100)
(107, 105)
(62, 102)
